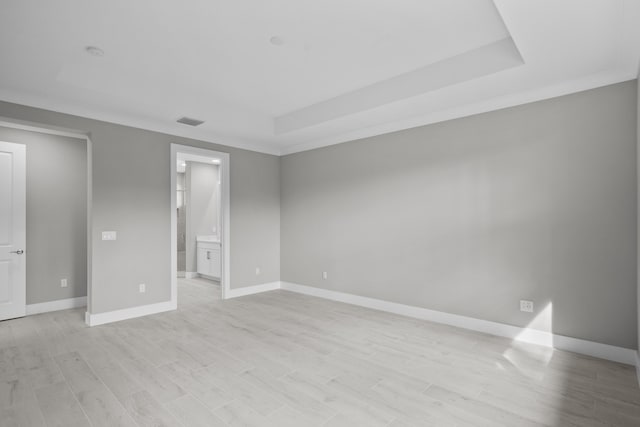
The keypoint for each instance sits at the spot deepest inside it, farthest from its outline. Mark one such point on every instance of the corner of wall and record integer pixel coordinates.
(96, 319)
(638, 366)
(638, 221)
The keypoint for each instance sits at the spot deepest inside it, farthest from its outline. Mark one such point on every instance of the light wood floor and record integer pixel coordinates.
(282, 359)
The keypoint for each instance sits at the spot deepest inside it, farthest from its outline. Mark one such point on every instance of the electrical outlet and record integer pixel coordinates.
(324, 275)
(109, 235)
(257, 271)
(63, 283)
(526, 306)
(142, 287)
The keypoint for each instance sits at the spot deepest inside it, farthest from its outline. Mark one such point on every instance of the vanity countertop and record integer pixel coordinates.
(208, 239)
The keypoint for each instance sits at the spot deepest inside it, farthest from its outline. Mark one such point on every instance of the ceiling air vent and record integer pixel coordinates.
(189, 121)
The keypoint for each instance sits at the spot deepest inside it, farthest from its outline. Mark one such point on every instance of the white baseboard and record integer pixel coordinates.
(190, 274)
(249, 290)
(534, 336)
(61, 304)
(128, 313)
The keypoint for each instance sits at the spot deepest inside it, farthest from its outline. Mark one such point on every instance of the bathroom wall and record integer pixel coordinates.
(202, 197)
(56, 214)
(182, 221)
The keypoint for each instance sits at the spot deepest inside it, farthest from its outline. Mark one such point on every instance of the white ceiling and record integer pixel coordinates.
(346, 68)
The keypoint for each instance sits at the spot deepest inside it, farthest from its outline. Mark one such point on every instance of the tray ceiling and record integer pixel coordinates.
(281, 76)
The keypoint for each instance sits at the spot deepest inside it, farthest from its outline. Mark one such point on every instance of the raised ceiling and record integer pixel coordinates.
(336, 70)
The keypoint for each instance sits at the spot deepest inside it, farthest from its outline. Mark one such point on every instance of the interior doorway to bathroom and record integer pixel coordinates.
(199, 223)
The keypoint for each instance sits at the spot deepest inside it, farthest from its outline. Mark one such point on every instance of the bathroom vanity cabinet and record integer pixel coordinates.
(208, 258)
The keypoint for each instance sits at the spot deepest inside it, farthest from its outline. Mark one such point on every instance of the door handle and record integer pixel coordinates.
(19, 252)
(208, 255)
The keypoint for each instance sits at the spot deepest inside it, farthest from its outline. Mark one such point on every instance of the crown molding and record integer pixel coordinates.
(493, 104)
(565, 88)
(135, 122)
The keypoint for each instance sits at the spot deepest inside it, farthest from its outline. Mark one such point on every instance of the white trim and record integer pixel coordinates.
(128, 313)
(145, 310)
(174, 227)
(638, 366)
(278, 147)
(31, 127)
(135, 122)
(225, 214)
(89, 222)
(603, 351)
(493, 104)
(250, 290)
(190, 274)
(61, 304)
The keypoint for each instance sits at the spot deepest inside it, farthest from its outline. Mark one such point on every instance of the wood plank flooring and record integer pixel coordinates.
(283, 359)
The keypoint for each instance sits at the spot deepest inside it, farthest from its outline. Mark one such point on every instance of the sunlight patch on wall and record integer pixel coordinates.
(531, 359)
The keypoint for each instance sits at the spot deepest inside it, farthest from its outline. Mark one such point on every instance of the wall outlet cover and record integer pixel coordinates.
(526, 306)
(142, 287)
(63, 283)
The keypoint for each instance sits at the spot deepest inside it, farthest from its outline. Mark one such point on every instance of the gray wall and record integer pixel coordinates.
(202, 206)
(638, 172)
(469, 216)
(131, 194)
(56, 214)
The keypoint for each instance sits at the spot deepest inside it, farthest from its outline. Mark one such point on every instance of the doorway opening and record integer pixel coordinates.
(199, 222)
(46, 223)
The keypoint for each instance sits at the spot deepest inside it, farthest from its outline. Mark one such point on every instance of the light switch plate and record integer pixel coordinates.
(109, 235)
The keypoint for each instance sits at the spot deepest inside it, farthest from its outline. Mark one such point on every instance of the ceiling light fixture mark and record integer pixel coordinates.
(94, 51)
(276, 41)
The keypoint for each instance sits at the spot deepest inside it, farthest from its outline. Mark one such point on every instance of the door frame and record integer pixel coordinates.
(224, 215)
(72, 133)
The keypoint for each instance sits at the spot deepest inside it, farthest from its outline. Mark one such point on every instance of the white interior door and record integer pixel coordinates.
(13, 290)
